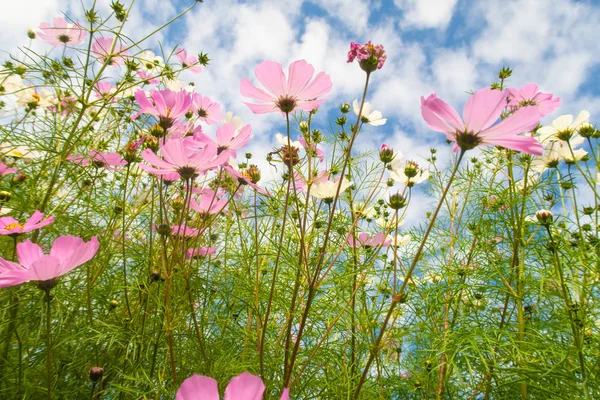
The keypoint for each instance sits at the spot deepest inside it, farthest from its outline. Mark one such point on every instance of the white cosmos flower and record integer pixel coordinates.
(328, 189)
(18, 151)
(388, 223)
(150, 62)
(29, 96)
(407, 172)
(176, 85)
(555, 151)
(10, 83)
(230, 119)
(372, 117)
(562, 124)
(283, 140)
(400, 240)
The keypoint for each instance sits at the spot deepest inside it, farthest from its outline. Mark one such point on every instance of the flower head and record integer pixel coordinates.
(564, 127)
(528, 96)
(367, 116)
(4, 170)
(200, 252)
(208, 111)
(327, 189)
(166, 105)
(297, 93)
(62, 33)
(365, 240)
(243, 387)
(150, 62)
(370, 56)
(188, 61)
(10, 226)
(183, 158)
(208, 203)
(110, 161)
(67, 253)
(477, 126)
(102, 46)
(408, 172)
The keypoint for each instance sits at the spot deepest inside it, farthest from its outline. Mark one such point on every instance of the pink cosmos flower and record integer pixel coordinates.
(243, 387)
(315, 151)
(244, 178)
(208, 203)
(229, 139)
(101, 49)
(148, 78)
(201, 252)
(67, 253)
(4, 170)
(365, 240)
(482, 110)
(188, 61)
(110, 161)
(301, 182)
(298, 93)
(10, 226)
(62, 33)
(370, 56)
(166, 105)
(207, 110)
(105, 90)
(529, 95)
(183, 158)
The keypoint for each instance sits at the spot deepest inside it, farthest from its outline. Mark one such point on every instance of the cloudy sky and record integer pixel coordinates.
(445, 46)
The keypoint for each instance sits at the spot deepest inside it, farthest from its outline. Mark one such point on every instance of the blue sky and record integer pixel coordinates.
(445, 46)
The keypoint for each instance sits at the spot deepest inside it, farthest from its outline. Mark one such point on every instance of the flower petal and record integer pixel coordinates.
(483, 108)
(198, 387)
(271, 75)
(245, 387)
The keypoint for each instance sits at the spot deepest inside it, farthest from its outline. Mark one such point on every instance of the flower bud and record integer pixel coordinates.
(586, 130)
(386, 154)
(397, 201)
(253, 173)
(31, 34)
(544, 217)
(345, 108)
(96, 373)
(113, 304)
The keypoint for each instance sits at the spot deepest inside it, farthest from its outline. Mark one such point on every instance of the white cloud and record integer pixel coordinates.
(426, 13)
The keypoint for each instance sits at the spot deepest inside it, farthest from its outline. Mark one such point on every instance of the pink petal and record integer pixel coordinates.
(318, 87)
(245, 387)
(299, 74)
(271, 75)
(28, 252)
(526, 144)
(198, 387)
(249, 90)
(81, 255)
(64, 247)
(285, 395)
(523, 120)
(440, 116)
(45, 268)
(262, 108)
(483, 108)
(225, 133)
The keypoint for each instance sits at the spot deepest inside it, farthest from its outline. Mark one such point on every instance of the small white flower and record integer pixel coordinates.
(18, 151)
(554, 151)
(328, 189)
(29, 96)
(230, 119)
(388, 223)
(399, 240)
(150, 62)
(283, 140)
(562, 124)
(407, 172)
(372, 117)
(10, 83)
(176, 85)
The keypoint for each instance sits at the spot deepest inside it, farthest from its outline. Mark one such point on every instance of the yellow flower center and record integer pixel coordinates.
(10, 227)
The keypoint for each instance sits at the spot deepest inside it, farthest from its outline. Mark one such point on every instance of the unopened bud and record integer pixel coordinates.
(345, 108)
(96, 373)
(544, 217)
(397, 201)
(31, 34)
(386, 154)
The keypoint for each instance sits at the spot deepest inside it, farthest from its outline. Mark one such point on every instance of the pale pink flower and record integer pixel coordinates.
(101, 48)
(207, 110)
(4, 170)
(208, 203)
(228, 138)
(10, 226)
(315, 151)
(365, 240)
(62, 33)
(482, 110)
(188, 61)
(201, 252)
(147, 78)
(297, 93)
(301, 181)
(105, 90)
(183, 158)
(67, 253)
(244, 179)
(528, 96)
(369, 55)
(166, 105)
(110, 161)
(243, 387)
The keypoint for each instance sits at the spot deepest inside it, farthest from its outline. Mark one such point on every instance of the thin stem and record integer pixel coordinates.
(396, 297)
